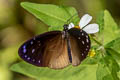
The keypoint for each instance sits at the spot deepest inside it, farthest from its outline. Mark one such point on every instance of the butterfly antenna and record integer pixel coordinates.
(70, 18)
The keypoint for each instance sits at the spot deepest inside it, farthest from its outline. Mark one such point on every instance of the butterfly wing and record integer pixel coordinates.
(46, 50)
(80, 45)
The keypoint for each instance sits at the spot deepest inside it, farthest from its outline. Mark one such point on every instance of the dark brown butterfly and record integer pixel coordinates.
(56, 49)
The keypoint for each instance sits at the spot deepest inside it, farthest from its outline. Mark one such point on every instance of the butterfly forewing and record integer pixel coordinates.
(80, 45)
(46, 50)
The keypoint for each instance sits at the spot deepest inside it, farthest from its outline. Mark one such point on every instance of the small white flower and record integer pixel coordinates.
(71, 25)
(83, 24)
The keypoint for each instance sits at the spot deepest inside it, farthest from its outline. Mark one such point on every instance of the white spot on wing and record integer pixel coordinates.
(34, 38)
(25, 56)
(87, 46)
(24, 46)
(31, 42)
(83, 42)
(82, 34)
(80, 30)
(82, 54)
(78, 37)
(87, 40)
(33, 60)
(24, 50)
(33, 50)
(39, 44)
(28, 58)
(39, 61)
(86, 36)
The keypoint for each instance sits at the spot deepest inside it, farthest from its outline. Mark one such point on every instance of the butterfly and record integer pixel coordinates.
(58, 49)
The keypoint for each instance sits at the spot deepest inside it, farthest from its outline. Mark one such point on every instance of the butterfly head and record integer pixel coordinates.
(66, 27)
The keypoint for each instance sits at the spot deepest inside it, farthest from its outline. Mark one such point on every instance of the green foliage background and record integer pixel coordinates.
(13, 31)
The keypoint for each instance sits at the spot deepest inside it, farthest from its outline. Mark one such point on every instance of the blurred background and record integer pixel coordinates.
(17, 25)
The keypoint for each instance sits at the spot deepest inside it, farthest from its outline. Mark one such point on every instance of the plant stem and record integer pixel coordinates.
(100, 44)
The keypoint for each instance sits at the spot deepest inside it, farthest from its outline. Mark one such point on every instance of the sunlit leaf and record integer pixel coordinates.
(5, 74)
(52, 15)
(70, 73)
(100, 21)
(92, 60)
(8, 55)
(110, 31)
(115, 44)
(55, 28)
(108, 27)
(107, 69)
(119, 74)
(41, 28)
(114, 54)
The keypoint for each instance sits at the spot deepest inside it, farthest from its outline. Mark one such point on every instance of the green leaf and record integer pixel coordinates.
(119, 74)
(41, 28)
(52, 15)
(100, 21)
(108, 27)
(90, 61)
(69, 73)
(110, 31)
(107, 69)
(115, 44)
(93, 60)
(8, 55)
(55, 28)
(114, 54)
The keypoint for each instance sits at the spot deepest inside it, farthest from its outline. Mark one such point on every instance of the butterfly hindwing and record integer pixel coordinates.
(46, 50)
(80, 45)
